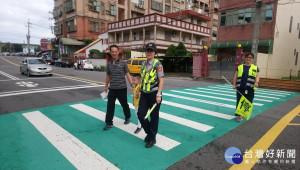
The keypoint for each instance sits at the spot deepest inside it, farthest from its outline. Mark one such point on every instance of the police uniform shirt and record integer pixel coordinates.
(245, 76)
(160, 70)
(117, 71)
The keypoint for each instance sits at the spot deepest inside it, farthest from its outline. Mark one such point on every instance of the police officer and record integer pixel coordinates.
(246, 80)
(152, 81)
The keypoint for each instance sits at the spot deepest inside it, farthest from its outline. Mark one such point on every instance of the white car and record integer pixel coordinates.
(84, 65)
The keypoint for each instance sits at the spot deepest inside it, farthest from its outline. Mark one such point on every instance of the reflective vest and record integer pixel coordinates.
(149, 78)
(251, 76)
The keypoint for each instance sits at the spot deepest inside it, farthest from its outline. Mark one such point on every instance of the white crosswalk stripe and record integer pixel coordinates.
(79, 154)
(199, 110)
(179, 120)
(162, 142)
(213, 97)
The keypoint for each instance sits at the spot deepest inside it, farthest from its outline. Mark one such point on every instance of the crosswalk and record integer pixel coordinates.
(189, 119)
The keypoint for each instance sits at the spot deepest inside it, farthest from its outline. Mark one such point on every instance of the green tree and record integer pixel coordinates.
(37, 49)
(6, 47)
(94, 53)
(17, 48)
(171, 51)
(189, 54)
(87, 41)
(180, 50)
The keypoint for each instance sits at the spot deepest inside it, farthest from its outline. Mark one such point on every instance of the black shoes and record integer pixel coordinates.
(127, 121)
(146, 139)
(107, 127)
(137, 130)
(150, 143)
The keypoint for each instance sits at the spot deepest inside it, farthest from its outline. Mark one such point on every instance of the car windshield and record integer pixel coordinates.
(36, 61)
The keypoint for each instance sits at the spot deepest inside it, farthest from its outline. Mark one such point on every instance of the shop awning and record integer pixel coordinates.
(70, 41)
(243, 43)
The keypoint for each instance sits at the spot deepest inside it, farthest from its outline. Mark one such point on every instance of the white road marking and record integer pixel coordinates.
(185, 122)
(14, 93)
(233, 92)
(9, 76)
(199, 110)
(79, 154)
(26, 84)
(201, 101)
(220, 98)
(162, 142)
(221, 94)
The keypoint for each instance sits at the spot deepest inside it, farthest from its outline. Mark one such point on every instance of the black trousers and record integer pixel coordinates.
(249, 95)
(121, 95)
(147, 100)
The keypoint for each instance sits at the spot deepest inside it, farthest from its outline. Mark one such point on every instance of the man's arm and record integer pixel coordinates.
(129, 79)
(234, 80)
(107, 80)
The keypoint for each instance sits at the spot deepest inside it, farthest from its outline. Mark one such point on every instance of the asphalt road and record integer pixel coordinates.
(60, 89)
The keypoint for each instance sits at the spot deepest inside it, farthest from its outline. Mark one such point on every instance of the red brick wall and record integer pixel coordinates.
(245, 32)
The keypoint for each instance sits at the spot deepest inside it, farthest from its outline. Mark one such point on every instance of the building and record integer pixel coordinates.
(163, 30)
(86, 19)
(279, 34)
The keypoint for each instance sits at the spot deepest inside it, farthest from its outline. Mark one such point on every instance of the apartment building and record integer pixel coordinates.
(279, 34)
(80, 19)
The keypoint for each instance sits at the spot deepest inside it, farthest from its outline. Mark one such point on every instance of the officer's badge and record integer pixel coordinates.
(159, 68)
(150, 45)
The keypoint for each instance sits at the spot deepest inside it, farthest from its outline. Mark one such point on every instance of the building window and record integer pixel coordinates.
(94, 5)
(58, 29)
(71, 25)
(175, 9)
(147, 34)
(167, 1)
(167, 9)
(296, 60)
(57, 12)
(126, 37)
(168, 35)
(141, 35)
(215, 23)
(157, 5)
(198, 40)
(69, 6)
(177, 1)
(291, 24)
(93, 26)
(134, 36)
(215, 33)
(112, 9)
(245, 15)
(102, 8)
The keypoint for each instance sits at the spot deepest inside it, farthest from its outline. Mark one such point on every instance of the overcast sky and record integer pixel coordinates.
(14, 15)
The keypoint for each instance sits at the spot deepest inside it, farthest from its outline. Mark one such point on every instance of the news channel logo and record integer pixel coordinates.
(233, 155)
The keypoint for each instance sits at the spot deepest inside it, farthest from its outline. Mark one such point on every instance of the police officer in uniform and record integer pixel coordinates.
(152, 81)
(246, 80)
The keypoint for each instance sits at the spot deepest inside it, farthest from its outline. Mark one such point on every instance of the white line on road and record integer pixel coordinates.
(221, 94)
(185, 122)
(220, 98)
(14, 93)
(201, 101)
(199, 110)
(79, 154)
(162, 142)
(9, 76)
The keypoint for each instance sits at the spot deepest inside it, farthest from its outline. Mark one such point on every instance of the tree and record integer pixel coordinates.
(180, 50)
(94, 53)
(17, 48)
(6, 47)
(38, 48)
(88, 41)
(171, 51)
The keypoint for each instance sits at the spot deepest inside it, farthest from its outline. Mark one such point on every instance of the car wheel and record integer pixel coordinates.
(50, 74)
(21, 72)
(28, 73)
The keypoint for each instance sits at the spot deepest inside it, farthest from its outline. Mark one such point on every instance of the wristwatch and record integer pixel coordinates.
(158, 95)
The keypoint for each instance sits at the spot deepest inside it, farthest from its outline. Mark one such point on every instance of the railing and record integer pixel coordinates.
(157, 18)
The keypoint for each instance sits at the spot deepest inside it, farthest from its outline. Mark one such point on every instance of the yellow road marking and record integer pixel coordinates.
(297, 124)
(10, 62)
(265, 142)
(77, 78)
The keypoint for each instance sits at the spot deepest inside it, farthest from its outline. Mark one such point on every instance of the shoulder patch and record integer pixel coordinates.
(159, 68)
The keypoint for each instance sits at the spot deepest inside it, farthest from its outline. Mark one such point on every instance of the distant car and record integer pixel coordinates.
(135, 65)
(87, 65)
(35, 66)
(63, 63)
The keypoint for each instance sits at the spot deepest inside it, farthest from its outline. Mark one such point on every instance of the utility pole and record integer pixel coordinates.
(28, 37)
(256, 29)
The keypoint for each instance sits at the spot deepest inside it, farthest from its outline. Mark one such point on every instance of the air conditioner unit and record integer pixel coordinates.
(137, 5)
(91, 7)
(199, 11)
(141, 6)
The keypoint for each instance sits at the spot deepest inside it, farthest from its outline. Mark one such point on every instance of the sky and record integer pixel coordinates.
(14, 16)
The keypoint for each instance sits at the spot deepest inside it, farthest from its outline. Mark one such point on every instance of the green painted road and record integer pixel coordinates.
(71, 136)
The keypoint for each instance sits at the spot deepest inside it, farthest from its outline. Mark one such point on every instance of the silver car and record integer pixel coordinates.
(35, 66)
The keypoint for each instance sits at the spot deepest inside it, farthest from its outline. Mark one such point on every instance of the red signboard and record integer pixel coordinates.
(44, 43)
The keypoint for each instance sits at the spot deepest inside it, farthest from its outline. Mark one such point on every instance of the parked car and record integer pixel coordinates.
(35, 66)
(63, 62)
(84, 65)
(135, 65)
